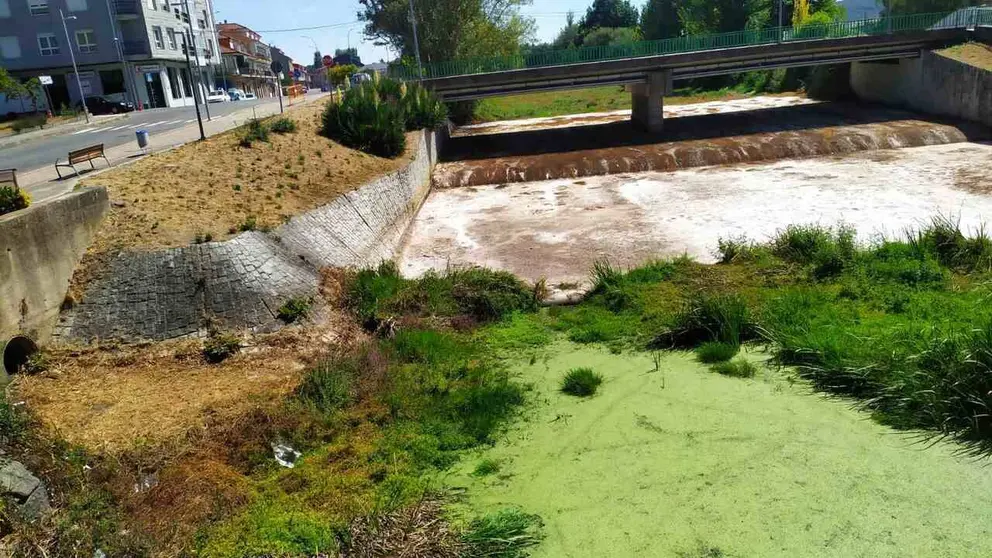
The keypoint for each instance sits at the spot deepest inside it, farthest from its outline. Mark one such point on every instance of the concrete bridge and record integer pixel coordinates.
(649, 69)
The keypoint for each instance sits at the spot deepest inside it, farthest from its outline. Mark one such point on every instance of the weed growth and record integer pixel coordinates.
(283, 125)
(220, 347)
(737, 368)
(13, 199)
(504, 534)
(254, 130)
(295, 309)
(714, 351)
(486, 467)
(581, 382)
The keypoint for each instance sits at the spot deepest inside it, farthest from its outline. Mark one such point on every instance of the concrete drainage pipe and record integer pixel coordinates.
(16, 353)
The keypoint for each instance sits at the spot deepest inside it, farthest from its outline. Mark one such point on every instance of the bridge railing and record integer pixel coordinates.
(693, 43)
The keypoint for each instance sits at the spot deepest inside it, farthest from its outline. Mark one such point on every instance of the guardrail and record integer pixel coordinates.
(878, 26)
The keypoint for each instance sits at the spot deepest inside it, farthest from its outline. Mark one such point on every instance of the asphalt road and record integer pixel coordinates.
(44, 151)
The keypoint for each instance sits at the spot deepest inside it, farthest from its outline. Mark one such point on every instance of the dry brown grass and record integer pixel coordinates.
(975, 54)
(144, 399)
(213, 186)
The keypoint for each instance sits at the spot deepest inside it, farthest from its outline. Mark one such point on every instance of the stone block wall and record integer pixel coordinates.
(242, 282)
(39, 248)
(931, 83)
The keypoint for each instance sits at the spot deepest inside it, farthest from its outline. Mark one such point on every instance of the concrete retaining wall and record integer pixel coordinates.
(241, 283)
(931, 83)
(39, 248)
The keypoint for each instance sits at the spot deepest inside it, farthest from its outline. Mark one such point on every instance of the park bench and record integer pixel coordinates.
(8, 176)
(81, 156)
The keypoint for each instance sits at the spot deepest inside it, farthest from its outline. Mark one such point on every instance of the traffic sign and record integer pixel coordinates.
(45, 80)
(276, 67)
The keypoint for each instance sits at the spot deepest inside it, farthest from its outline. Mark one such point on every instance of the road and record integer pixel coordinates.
(43, 152)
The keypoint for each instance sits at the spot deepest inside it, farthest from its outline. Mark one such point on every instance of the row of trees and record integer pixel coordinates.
(14, 89)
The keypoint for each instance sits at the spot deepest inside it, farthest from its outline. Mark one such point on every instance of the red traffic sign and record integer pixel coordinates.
(328, 61)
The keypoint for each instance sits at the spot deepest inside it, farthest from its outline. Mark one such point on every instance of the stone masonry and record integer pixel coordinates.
(241, 283)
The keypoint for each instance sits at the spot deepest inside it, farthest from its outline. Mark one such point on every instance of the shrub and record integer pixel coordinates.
(365, 121)
(37, 120)
(283, 125)
(295, 309)
(220, 347)
(581, 382)
(327, 386)
(254, 130)
(249, 224)
(13, 199)
(37, 363)
(737, 249)
(723, 318)
(13, 423)
(738, 368)
(486, 467)
(504, 534)
(943, 240)
(714, 351)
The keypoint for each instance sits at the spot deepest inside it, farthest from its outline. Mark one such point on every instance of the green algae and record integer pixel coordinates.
(685, 462)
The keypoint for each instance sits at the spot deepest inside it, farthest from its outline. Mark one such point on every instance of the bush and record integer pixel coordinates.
(581, 382)
(327, 386)
(283, 125)
(220, 347)
(37, 120)
(295, 309)
(738, 249)
(254, 130)
(738, 368)
(723, 318)
(13, 199)
(714, 351)
(486, 467)
(13, 423)
(373, 116)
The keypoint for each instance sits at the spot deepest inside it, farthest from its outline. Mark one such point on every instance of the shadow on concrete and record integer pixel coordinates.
(687, 128)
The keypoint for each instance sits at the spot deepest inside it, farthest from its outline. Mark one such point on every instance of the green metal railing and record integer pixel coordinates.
(964, 18)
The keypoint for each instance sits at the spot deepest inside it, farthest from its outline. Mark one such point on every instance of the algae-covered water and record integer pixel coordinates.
(683, 462)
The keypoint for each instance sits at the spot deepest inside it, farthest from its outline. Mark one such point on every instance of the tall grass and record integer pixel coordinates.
(724, 318)
(504, 534)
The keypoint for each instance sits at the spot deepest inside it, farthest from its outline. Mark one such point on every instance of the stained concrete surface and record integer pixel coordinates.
(558, 228)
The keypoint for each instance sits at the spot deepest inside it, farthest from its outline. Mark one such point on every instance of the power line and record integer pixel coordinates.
(315, 27)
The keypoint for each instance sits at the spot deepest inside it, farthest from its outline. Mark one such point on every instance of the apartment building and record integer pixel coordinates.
(129, 49)
(247, 60)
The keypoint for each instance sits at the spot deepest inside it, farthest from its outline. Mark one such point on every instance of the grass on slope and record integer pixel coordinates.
(973, 53)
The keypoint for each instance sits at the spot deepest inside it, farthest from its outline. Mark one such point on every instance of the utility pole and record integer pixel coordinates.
(196, 82)
(125, 73)
(189, 68)
(781, 8)
(72, 55)
(416, 43)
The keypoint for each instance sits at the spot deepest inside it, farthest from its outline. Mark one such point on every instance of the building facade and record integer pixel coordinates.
(247, 61)
(125, 49)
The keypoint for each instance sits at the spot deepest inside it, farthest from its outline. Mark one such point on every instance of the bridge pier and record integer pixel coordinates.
(647, 101)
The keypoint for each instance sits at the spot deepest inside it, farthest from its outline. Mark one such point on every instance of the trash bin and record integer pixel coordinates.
(142, 136)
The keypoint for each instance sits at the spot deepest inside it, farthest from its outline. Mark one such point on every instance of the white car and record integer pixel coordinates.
(249, 97)
(217, 97)
(236, 94)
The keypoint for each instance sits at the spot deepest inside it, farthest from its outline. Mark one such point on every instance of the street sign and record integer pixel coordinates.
(45, 80)
(276, 67)
(297, 74)
(327, 60)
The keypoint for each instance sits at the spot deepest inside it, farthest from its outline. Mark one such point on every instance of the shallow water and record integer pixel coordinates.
(557, 228)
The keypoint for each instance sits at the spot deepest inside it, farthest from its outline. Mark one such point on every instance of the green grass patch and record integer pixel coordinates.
(504, 534)
(737, 368)
(581, 382)
(486, 467)
(715, 351)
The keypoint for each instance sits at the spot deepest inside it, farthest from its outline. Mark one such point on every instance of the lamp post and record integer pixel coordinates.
(72, 55)
(196, 82)
(416, 43)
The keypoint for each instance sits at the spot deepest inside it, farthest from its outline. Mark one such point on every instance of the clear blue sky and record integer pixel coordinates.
(339, 19)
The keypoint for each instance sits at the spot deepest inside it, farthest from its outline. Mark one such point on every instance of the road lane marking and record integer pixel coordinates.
(83, 131)
(156, 124)
(98, 130)
(119, 128)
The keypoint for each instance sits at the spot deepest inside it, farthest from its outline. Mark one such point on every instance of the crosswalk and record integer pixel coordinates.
(144, 126)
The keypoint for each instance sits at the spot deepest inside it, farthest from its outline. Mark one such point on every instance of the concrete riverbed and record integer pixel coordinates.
(556, 229)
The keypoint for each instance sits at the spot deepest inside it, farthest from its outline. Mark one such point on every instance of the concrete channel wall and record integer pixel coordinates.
(931, 83)
(242, 282)
(39, 248)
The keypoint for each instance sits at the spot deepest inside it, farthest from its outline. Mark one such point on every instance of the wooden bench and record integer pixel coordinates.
(9, 176)
(81, 156)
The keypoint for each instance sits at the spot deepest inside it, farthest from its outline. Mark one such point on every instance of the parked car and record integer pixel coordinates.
(360, 78)
(218, 96)
(250, 97)
(102, 105)
(235, 94)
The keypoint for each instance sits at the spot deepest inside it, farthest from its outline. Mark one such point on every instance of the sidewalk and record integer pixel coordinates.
(44, 183)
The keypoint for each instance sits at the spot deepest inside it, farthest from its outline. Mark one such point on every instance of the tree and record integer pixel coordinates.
(570, 35)
(800, 12)
(609, 13)
(660, 20)
(318, 59)
(340, 73)
(347, 56)
(903, 7)
(612, 36)
(448, 29)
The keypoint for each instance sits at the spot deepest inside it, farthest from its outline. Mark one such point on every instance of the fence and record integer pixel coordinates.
(964, 18)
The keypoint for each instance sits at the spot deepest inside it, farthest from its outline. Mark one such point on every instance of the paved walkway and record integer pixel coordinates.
(44, 183)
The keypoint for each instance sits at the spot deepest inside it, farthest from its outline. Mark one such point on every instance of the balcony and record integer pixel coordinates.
(135, 48)
(127, 7)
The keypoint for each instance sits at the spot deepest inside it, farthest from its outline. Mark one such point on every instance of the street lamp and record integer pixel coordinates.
(72, 55)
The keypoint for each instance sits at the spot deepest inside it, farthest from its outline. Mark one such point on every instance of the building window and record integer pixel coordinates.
(4, 8)
(76, 5)
(187, 83)
(157, 33)
(86, 40)
(112, 81)
(38, 7)
(9, 48)
(48, 44)
(172, 39)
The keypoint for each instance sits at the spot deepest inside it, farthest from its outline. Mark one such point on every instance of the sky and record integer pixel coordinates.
(333, 24)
